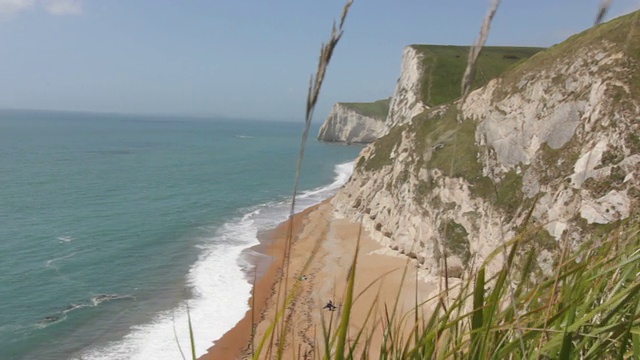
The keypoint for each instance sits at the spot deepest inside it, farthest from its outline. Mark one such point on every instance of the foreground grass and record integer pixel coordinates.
(588, 309)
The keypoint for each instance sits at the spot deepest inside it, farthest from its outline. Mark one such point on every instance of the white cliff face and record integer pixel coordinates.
(345, 124)
(406, 101)
(543, 108)
(389, 208)
(559, 143)
(563, 117)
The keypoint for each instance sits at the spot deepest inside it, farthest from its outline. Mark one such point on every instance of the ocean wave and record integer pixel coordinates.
(94, 301)
(218, 280)
(73, 306)
(311, 197)
(99, 299)
(65, 239)
(50, 320)
(54, 260)
(111, 152)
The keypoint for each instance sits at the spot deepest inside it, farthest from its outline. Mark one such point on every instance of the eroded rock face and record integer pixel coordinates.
(554, 143)
(345, 124)
(406, 100)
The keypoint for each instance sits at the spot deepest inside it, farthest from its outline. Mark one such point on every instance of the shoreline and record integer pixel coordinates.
(322, 250)
(272, 241)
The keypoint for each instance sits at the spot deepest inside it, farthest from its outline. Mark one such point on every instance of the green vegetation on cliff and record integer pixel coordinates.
(623, 33)
(444, 142)
(443, 68)
(377, 109)
(447, 143)
(382, 150)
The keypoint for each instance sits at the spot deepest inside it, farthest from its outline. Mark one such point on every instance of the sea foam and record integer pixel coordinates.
(219, 285)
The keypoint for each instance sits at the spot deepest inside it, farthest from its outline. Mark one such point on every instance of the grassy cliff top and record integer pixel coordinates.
(621, 34)
(444, 65)
(377, 109)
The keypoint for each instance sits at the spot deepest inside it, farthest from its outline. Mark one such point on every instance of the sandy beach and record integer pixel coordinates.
(321, 254)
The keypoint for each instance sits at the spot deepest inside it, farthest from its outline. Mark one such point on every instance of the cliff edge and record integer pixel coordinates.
(430, 75)
(355, 122)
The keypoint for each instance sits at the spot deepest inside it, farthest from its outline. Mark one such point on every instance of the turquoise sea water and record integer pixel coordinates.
(110, 224)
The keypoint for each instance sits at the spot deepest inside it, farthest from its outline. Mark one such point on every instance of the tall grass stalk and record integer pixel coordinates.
(347, 304)
(315, 86)
(602, 11)
(191, 339)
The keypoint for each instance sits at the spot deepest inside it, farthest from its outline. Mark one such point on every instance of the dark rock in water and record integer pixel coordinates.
(102, 298)
(50, 319)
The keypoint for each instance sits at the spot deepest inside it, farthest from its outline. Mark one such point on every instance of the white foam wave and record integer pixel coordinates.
(220, 301)
(309, 198)
(53, 261)
(72, 307)
(65, 239)
(95, 301)
(99, 299)
(219, 284)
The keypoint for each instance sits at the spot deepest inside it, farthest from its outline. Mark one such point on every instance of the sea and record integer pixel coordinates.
(116, 229)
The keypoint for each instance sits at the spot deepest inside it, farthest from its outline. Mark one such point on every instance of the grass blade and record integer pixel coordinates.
(477, 317)
(347, 304)
(191, 339)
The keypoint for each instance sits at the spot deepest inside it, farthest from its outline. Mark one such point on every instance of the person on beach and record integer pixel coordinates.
(330, 306)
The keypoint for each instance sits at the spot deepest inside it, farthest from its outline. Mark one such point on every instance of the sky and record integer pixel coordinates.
(241, 58)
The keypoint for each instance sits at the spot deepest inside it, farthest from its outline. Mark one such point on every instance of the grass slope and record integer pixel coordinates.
(444, 65)
(377, 109)
(622, 32)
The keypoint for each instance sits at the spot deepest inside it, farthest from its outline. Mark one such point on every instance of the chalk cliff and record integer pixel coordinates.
(430, 75)
(355, 122)
(550, 148)
(407, 97)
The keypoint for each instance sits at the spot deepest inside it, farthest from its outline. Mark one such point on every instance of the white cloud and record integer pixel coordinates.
(10, 7)
(53, 7)
(63, 7)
